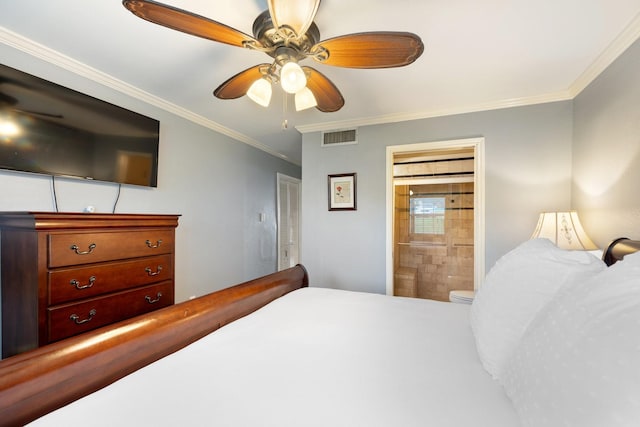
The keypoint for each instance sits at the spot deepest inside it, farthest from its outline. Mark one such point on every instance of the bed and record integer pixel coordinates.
(276, 352)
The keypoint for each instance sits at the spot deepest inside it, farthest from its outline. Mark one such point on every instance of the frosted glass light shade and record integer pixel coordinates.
(564, 229)
(297, 15)
(260, 92)
(292, 77)
(305, 99)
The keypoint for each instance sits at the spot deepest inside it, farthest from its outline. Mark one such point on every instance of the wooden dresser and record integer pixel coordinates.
(67, 273)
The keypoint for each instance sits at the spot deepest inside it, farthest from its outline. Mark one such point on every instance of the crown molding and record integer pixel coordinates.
(621, 43)
(56, 58)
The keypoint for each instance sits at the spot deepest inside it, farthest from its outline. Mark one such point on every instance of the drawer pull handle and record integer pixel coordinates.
(153, 273)
(77, 320)
(75, 248)
(149, 244)
(153, 301)
(77, 284)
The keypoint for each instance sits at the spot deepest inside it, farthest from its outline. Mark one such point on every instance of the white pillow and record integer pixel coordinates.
(579, 362)
(515, 289)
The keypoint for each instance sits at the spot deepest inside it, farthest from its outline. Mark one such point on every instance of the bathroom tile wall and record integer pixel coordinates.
(443, 262)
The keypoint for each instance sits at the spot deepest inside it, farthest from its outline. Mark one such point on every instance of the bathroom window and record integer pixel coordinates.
(427, 214)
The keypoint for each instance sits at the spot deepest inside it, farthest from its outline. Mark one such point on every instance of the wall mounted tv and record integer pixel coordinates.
(49, 129)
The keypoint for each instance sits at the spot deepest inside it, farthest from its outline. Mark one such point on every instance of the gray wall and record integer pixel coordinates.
(218, 185)
(528, 170)
(606, 151)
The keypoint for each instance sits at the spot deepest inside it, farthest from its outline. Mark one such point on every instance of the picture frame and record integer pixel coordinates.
(342, 192)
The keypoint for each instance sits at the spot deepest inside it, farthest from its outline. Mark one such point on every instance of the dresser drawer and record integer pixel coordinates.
(84, 248)
(76, 283)
(71, 319)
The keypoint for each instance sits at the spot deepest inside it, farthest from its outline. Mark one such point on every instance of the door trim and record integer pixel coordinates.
(478, 200)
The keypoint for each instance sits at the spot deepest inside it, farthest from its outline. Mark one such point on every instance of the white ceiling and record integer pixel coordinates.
(478, 55)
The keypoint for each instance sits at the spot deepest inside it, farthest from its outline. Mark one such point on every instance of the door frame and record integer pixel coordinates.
(280, 177)
(478, 199)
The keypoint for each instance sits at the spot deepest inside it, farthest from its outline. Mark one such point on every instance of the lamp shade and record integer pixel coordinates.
(305, 99)
(292, 77)
(260, 92)
(564, 230)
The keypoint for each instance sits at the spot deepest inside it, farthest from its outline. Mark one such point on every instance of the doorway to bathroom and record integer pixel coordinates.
(435, 237)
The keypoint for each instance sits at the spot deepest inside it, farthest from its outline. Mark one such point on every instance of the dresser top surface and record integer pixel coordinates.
(74, 220)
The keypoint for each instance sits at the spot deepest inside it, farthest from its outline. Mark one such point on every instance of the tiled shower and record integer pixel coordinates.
(434, 225)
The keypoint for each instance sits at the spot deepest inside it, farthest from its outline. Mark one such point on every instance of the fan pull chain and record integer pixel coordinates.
(285, 123)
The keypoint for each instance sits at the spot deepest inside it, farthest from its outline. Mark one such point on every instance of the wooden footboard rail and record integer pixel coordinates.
(37, 382)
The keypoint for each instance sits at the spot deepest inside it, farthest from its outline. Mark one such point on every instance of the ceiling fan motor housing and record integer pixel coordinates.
(283, 43)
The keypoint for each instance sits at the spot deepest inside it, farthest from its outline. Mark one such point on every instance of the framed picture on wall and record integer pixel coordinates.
(342, 192)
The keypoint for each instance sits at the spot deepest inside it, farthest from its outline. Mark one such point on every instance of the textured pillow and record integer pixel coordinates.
(515, 289)
(579, 362)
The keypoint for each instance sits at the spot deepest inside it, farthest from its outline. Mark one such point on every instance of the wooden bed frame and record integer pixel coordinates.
(37, 382)
(618, 248)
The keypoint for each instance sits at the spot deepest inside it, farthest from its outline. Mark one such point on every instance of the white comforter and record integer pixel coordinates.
(315, 357)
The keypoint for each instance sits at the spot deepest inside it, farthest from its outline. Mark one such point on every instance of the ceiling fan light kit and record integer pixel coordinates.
(304, 99)
(286, 32)
(292, 77)
(260, 92)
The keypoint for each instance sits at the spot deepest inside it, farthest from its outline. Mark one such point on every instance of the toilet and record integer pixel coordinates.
(462, 297)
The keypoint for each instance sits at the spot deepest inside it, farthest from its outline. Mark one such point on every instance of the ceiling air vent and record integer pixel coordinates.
(339, 137)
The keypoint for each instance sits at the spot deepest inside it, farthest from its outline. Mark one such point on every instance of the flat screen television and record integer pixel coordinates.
(50, 129)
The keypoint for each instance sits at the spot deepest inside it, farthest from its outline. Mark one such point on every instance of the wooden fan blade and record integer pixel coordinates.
(384, 49)
(187, 22)
(327, 95)
(238, 85)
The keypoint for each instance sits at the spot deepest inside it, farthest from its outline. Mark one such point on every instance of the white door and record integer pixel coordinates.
(288, 221)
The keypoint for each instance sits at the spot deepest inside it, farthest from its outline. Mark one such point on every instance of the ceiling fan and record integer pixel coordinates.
(286, 32)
